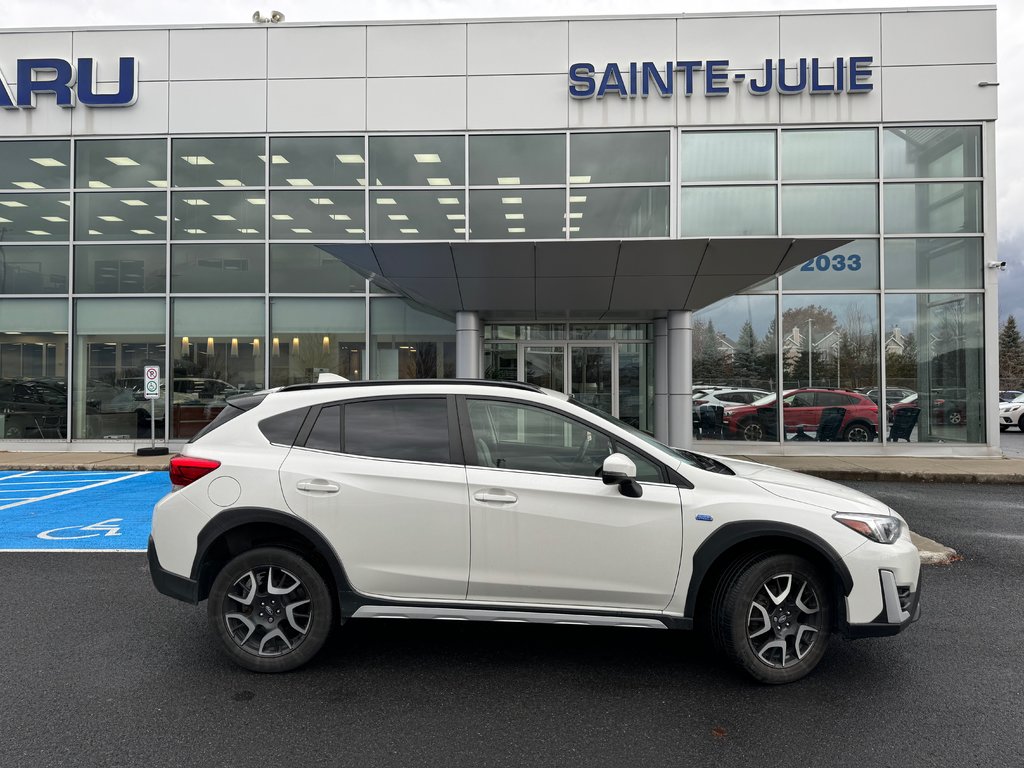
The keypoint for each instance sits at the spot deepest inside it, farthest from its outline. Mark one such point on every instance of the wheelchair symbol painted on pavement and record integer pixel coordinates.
(104, 528)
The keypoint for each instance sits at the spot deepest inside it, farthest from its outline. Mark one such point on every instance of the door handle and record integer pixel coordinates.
(318, 486)
(496, 497)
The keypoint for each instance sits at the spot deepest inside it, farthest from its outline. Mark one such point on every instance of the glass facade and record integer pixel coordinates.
(215, 258)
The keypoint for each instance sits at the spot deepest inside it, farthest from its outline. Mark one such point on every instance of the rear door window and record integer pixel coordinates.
(408, 429)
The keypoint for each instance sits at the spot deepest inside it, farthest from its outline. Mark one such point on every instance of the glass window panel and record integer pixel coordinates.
(121, 268)
(33, 268)
(727, 156)
(949, 262)
(33, 385)
(501, 362)
(326, 432)
(417, 161)
(850, 266)
(618, 212)
(215, 215)
(710, 211)
(636, 387)
(114, 340)
(322, 215)
(300, 268)
(218, 348)
(616, 158)
(406, 429)
(416, 216)
(735, 348)
(121, 163)
(409, 343)
(831, 342)
(121, 216)
(519, 159)
(328, 161)
(314, 336)
(35, 164)
(228, 268)
(21, 315)
(934, 348)
(34, 217)
(937, 207)
(842, 153)
(932, 152)
(234, 162)
(517, 214)
(830, 209)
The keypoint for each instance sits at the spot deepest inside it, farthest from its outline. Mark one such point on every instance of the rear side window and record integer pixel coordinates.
(283, 427)
(326, 432)
(410, 429)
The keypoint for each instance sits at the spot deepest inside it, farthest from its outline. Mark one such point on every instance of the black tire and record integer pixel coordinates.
(955, 418)
(752, 431)
(1004, 427)
(1020, 423)
(859, 432)
(271, 610)
(803, 634)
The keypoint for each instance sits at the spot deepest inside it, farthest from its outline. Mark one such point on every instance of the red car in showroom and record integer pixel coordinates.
(802, 414)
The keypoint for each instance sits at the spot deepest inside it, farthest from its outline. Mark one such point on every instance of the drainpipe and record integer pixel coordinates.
(468, 337)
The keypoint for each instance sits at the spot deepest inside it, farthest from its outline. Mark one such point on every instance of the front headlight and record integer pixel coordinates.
(881, 528)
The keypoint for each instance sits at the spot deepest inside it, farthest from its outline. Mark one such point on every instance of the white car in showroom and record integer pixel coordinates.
(303, 507)
(1011, 414)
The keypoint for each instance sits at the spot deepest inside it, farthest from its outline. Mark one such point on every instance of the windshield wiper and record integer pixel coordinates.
(704, 462)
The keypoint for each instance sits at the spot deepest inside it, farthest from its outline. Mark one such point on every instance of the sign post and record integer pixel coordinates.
(151, 390)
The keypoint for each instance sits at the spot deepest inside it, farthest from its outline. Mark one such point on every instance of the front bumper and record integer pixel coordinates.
(170, 584)
(901, 607)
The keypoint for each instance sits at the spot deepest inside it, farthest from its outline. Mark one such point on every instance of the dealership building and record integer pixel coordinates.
(626, 209)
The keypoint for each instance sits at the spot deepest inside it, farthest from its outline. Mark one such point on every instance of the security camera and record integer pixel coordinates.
(276, 17)
(257, 18)
(1000, 265)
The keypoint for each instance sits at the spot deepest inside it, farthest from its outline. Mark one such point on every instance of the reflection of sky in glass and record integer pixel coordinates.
(730, 314)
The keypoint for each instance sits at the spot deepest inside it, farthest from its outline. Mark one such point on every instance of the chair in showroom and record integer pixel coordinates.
(830, 424)
(903, 422)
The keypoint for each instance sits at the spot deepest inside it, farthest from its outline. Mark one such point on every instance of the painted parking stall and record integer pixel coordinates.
(78, 511)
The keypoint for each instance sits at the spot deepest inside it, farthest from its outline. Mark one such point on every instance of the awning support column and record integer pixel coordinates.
(680, 378)
(468, 336)
(661, 379)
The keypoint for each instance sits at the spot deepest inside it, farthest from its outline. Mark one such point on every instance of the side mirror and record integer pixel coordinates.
(620, 470)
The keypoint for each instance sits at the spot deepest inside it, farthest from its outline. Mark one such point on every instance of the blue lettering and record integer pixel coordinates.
(713, 75)
(612, 81)
(799, 85)
(688, 68)
(6, 97)
(60, 85)
(860, 67)
(652, 74)
(127, 84)
(581, 80)
(632, 79)
(817, 87)
(840, 74)
(758, 88)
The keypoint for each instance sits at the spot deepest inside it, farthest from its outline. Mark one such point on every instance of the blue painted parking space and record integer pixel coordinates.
(76, 511)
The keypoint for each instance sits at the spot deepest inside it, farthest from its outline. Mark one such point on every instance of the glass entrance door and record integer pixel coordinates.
(591, 376)
(544, 366)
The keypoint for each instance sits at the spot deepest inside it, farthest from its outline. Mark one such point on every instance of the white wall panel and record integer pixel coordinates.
(148, 46)
(939, 93)
(218, 54)
(739, 107)
(316, 105)
(218, 106)
(416, 49)
(517, 101)
(745, 40)
(834, 108)
(524, 48)
(622, 41)
(416, 104)
(614, 111)
(829, 36)
(940, 37)
(45, 120)
(31, 45)
(148, 115)
(316, 52)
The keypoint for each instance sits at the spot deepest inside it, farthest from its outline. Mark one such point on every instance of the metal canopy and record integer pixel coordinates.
(598, 280)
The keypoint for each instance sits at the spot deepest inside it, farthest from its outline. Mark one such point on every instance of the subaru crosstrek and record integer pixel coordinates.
(303, 507)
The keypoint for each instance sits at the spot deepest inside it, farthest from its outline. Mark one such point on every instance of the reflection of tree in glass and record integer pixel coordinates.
(312, 354)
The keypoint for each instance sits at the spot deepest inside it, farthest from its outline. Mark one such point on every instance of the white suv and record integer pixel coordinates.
(303, 507)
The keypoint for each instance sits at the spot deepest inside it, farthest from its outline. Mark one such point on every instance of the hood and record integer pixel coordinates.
(805, 489)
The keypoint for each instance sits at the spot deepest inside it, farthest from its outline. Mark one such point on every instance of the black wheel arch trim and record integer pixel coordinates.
(731, 534)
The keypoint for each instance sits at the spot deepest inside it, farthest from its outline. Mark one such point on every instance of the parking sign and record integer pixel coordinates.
(152, 382)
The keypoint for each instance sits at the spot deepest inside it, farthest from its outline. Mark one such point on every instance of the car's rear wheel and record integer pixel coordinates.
(271, 610)
(771, 616)
(858, 433)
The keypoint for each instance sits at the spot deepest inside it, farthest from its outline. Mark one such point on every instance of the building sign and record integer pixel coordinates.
(711, 78)
(69, 84)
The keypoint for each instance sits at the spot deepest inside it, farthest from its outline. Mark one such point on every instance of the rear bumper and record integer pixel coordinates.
(899, 611)
(170, 584)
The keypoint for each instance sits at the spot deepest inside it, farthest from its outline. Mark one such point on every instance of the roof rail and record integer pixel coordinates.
(407, 382)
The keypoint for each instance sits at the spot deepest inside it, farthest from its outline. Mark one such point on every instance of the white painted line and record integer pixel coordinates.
(71, 490)
(20, 474)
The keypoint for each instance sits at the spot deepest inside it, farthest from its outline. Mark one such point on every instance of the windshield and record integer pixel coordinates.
(766, 400)
(1018, 399)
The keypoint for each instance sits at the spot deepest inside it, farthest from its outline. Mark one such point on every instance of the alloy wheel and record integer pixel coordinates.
(784, 620)
(267, 611)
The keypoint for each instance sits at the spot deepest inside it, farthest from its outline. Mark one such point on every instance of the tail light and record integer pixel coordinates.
(187, 469)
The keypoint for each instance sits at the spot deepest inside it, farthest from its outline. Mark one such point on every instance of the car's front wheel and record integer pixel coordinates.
(859, 433)
(752, 430)
(271, 610)
(771, 616)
